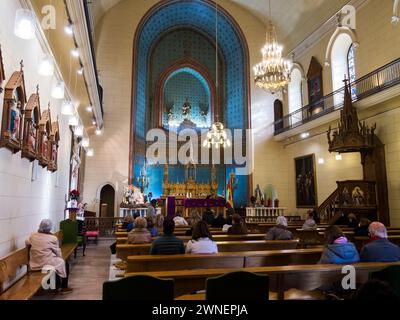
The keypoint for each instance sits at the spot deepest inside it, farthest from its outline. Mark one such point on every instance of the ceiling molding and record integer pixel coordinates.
(328, 27)
(77, 14)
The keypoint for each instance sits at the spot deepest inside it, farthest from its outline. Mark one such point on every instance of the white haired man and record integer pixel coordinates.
(45, 251)
(379, 249)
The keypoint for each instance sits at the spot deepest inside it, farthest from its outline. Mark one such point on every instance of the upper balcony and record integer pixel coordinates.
(377, 86)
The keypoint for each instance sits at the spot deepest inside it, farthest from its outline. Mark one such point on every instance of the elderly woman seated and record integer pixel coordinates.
(140, 234)
(280, 232)
(45, 251)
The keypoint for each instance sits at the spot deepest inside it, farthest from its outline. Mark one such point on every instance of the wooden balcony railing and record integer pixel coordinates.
(378, 80)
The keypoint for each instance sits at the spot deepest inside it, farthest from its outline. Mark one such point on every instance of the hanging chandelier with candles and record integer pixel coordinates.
(273, 72)
(217, 136)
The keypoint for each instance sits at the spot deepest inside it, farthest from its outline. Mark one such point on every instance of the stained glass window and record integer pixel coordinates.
(352, 71)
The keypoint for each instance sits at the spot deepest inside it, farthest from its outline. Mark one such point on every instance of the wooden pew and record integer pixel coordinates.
(15, 268)
(282, 278)
(224, 237)
(147, 263)
(125, 250)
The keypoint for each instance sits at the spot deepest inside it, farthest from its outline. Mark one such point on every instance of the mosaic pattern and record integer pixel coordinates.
(182, 84)
(197, 15)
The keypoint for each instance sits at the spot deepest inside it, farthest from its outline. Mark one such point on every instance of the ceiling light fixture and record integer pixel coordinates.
(75, 53)
(67, 108)
(58, 90)
(24, 26)
(46, 66)
(273, 72)
(69, 29)
(217, 136)
(304, 135)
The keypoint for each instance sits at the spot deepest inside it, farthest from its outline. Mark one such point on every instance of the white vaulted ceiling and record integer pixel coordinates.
(294, 19)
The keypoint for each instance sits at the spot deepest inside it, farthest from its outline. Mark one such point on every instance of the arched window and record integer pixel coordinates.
(339, 64)
(351, 66)
(278, 114)
(295, 94)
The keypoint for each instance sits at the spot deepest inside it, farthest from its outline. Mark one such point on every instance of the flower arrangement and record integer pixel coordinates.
(74, 194)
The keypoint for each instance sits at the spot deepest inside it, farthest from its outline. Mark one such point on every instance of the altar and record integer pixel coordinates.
(173, 204)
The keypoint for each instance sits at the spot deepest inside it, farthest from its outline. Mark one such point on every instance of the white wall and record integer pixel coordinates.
(23, 203)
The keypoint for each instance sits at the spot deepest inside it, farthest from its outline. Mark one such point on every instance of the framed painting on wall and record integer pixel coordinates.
(306, 186)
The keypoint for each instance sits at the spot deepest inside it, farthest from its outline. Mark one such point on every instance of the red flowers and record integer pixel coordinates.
(74, 194)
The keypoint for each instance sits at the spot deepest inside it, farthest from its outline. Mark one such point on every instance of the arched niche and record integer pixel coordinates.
(31, 128)
(107, 201)
(174, 87)
(197, 15)
(44, 139)
(339, 31)
(13, 110)
(278, 114)
(54, 144)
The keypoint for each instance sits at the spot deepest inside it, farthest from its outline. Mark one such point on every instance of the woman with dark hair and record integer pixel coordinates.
(338, 250)
(202, 241)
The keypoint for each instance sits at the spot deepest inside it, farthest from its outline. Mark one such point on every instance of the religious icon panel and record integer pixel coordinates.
(306, 189)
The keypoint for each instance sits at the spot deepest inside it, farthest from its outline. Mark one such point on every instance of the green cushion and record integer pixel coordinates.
(69, 229)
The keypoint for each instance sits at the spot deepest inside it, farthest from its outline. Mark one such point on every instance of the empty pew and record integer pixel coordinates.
(146, 263)
(125, 250)
(224, 237)
(282, 278)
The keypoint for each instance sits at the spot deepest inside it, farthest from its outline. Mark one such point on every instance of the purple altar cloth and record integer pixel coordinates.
(171, 207)
(206, 203)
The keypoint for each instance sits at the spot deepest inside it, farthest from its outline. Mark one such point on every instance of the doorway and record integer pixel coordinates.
(107, 201)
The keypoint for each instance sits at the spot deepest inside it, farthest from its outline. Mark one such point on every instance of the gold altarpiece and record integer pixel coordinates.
(190, 187)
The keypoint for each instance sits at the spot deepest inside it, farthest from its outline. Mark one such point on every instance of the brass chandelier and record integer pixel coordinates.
(273, 72)
(217, 136)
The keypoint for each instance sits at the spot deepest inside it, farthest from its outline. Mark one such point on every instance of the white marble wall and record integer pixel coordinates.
(23, 202)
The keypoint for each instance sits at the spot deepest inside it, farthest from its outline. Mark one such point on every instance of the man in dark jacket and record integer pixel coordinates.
(168, 243)
(380, 249)
(208, 216)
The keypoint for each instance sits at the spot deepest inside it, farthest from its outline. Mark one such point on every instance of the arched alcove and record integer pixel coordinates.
(174, 41)
(278, 114)
(339, 63)
(107, 196)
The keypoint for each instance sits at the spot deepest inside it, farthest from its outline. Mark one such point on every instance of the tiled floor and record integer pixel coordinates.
(88, 273)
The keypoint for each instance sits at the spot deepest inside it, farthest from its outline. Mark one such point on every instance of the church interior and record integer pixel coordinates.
(199, 149)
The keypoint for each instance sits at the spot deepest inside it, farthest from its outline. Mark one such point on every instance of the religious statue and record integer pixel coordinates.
(45, 146)
(15, 123)
(54, 153)
(358, 196)
(170, 114)
(186, 109)
(258, 194)
(32, 136)
(76, 160)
